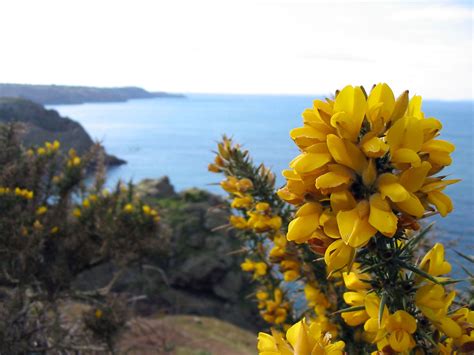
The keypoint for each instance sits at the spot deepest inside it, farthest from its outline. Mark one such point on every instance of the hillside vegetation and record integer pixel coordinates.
(60, 94)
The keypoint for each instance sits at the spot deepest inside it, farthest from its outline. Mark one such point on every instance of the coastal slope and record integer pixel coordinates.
(40, 124)
(61, 94)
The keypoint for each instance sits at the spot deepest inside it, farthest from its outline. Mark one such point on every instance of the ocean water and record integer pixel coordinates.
(176, 137)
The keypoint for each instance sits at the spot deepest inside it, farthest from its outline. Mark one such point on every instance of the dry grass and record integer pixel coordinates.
(186, 335)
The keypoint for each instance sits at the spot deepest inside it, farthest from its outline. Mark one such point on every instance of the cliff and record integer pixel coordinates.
(40, 125)
(60, 94)
(201, 273)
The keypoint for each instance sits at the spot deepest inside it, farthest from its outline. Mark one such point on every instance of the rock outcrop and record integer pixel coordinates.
(203, 269)
(200, 274)
(40, 125)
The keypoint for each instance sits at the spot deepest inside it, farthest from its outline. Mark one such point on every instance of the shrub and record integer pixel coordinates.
(366, 178)
(56, 222)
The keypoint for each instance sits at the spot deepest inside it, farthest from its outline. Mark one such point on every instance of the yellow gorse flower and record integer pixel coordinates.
(128, 208)
(261, 219)
(245, 201)
(41, 210)
(374, 159)
(73, 160)
(236, 186)
(24, 193)
(275, 310)
(301, 339)
(98, 313)
(434, 263)
(259, 268)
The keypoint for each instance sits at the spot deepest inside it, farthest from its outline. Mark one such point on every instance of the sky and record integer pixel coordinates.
(241, 46)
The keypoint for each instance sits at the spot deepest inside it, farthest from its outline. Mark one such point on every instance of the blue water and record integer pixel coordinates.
(175, 137)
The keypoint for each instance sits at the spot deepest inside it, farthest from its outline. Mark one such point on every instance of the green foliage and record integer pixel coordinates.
(53, 227)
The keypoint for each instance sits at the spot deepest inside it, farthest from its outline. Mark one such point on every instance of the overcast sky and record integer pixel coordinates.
(240, 46)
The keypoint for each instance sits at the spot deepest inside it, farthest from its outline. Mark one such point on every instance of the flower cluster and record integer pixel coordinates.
(273, 307)
(257, 218)
(367, 166)
(261, 219)
(368, 173)
(47, 149)
(434, 302)
(390, 332)
(301, 338)
(17, 191)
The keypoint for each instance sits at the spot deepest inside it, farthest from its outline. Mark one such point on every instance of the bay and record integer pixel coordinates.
(176, 137)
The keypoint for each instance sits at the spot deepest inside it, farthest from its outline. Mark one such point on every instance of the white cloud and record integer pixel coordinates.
(240, 46)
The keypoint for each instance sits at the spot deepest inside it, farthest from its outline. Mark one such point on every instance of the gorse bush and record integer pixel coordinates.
(53, 227)
(345, 231)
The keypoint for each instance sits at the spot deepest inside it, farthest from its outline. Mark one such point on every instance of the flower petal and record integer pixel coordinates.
(381, 216)
(389, 186)
(412, 205)
(441, 201)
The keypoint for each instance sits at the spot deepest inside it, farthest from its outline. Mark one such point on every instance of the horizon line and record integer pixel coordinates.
(236, 93)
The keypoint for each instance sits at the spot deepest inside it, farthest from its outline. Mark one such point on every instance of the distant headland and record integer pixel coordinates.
(40, 124)
(65, 95)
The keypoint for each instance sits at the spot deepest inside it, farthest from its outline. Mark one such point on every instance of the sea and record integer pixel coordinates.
(177, 136)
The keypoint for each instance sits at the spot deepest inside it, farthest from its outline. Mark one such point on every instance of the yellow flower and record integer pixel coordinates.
(379, 154)
(290, 269)
(355, 299)
(76, 212)
(262, 295)
(98, 313)
(349, 107)
(259, 268)
(400, 326)
(315, 297)
(238, 222)
(73, 160)
(434, 303)
(236, 186)
(128, 208)
(26, 194)
(242, 202)
(355, 280)
(276, 310)
(338, 255)
(51, 147)
(56, 145)
(464, 318)
(272, 344)
(146, 209)
(262, 206)
(247, 265)
(301, 339)
(433, 262)
(354, 225)
(263, 221)
(41, 210)
(86, 203)
(279, 248)
(374, 327)
(76, 161)
(213, 168)
(305, 223)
